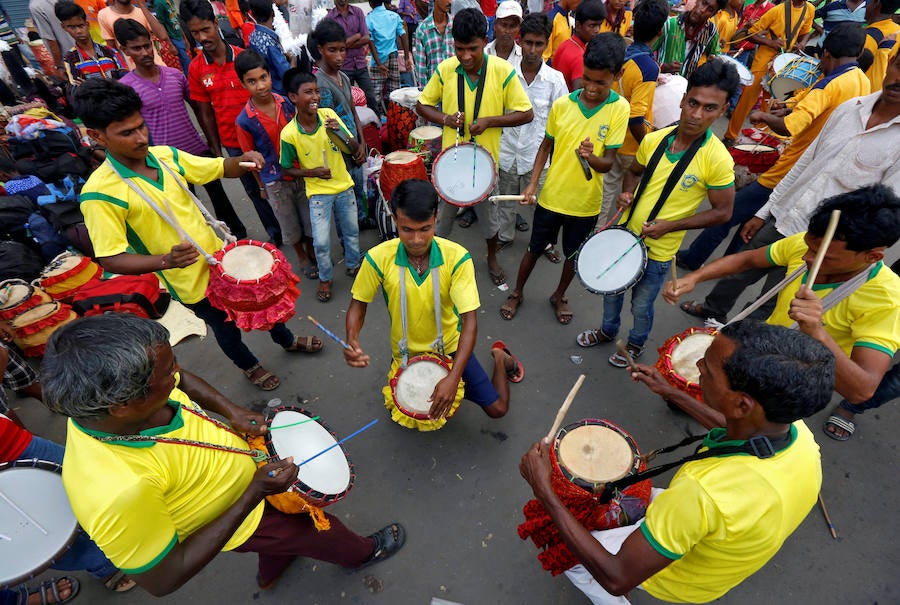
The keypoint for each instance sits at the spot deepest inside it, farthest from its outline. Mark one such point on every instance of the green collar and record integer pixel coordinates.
(481, 72)
(714, 440)
(674, 157)
(575, 97)
(314, 130)
(815, 287)
(435, 259)
(176, 423)
(128, 173)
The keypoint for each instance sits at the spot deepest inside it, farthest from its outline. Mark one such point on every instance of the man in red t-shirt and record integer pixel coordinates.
(569, 57)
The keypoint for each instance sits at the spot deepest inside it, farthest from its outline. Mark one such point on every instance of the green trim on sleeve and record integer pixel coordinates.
(547, 135)
(371, 261)
(509, 77)
(611, 146)
(466, 257)
(769, 255)
(872, 345)
(731, 184)
(102, 197)
(656, 545)
(175, 159)
(155, 561)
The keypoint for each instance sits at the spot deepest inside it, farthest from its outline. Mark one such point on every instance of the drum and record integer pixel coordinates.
(67, 273)
(32, 541)
(426, 140)
(399, 166)
(611, 261)
(744, 75)
(17, 296)
(340, 139)
(780, 61)
(464, 174)
(678, 358)
(34, 327)
(799, 73)
(401, 116)
(757, 158)
(323, 481)
(409, 388)
(670, 89)
(254, 284)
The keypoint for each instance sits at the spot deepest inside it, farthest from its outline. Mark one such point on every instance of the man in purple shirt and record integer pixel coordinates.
(353, 20)
(163, 91)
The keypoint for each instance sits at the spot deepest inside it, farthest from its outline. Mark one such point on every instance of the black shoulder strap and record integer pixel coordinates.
(674, 176)
(479, 93)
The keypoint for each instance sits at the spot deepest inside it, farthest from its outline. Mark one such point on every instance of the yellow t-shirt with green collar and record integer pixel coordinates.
(137, 500)
(722, 518)
(382, 268)
(565, 190)
(301, 149)
(711, 168)
(119, 220)
(869, 317)
(503, 93)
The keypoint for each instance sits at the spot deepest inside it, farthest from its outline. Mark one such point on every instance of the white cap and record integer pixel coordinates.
(509, 8)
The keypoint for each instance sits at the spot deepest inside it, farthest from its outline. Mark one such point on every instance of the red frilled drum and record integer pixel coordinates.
(399, 166)
(66, 273)
(254, 284)
(34, 327)
(17, 296)
(678, 358)
(757, 158)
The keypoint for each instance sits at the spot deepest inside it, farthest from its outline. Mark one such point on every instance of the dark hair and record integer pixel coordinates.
(201, 9)
(375, 3)
(790, 374)
(721, 4)
(417, 199)
(469, 24)
(127, 30)
(261, 10)
(327, 31)
(649, 18)
(33, 36)
(536, 23)
(247, 60)
(870, 218)
(100, 102)
(865, 59)
(888, 7)
(294, 78)
(605, 51)
(65, 10)
(590, 10)
(719, 74)
(845, 40)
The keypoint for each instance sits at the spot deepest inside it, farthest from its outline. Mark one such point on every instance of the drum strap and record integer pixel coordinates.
(760, 446)
(791, 32)
(674, 176)
(438, 343)
(479, 93)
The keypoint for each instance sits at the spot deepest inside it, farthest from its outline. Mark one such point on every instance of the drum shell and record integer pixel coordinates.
(403, 417)
(565, 483)
(34, 327)
(797, 74)
(757, 159)
(29, 297)
(420, 142)
(624, 288)
(488, 165)
(394, 171)
(62, 285)
(401, 117)
(664, 363)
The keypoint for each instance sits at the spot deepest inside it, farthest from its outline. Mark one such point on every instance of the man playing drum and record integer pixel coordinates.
(130, 238)
(689, 162)
(160, 486)
(493, 98)
(724, 516)
(416, 257)
(860, 319)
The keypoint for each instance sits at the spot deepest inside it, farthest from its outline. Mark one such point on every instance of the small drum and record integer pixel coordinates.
(399, 166)
(781, 60)
(254, 284)
(29, 545)
(757, 158)
(590, 453)
(464, 174)
(409, 390)
(678, 358)
(401, 116)
(340, 139)
(34, 327)
(323, 481)
(17, 296)
(427, 140)
(67, 273)
(670, 89)
(611, 261)
(799, 73)
(744, 75)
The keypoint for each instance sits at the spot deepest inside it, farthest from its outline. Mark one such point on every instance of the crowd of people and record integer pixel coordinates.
(162, 96)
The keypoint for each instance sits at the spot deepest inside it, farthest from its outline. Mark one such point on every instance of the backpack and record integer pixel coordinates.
(14, 213)
(46, 236)
(136, 294)
(19, 261)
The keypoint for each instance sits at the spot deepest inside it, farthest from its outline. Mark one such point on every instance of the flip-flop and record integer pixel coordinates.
(114, 582)
(521, 223)
(498, 278)
(507, 312)
(552, 254)
(323, 293)
(519, 374)
(563, 317)
(697, 309)
(388, 540)
(592, 338)
(839, 422)
(267, 381)
(305, 344)
(310, 271)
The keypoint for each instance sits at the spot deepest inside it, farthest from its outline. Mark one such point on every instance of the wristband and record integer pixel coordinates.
(165, 262)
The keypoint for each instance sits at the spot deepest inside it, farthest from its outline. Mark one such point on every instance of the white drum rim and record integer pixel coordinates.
(643, 265)
(745, 76)
(754, 148)
(413, 408)
(61, 264)
(426, 133)
(29, 316)
(441, 191)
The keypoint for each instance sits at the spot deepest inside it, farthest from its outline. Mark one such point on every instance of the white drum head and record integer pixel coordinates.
(12, 294)
(400, 157)
(781, 61)
(744, 75)
(416, 383)
(754, 148)
(464, 174)
(595, 453)
(62, 263)
(327, 474)
(688, 352)
(601, 266)
(34, 314)
(40, 494)
(247, 262)
(425, 133)
(406, 96)
(667, 100)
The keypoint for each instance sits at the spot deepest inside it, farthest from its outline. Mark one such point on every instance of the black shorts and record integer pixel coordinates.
(545, 228)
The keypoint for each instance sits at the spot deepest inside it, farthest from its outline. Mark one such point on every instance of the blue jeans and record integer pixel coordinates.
(182, 54)
(888, 389)
(263, 208)
(359, 188)
(643, 295)
(343, 206)
(747, 201)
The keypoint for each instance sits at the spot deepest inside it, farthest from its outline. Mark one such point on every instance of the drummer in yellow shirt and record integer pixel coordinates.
(881, 38)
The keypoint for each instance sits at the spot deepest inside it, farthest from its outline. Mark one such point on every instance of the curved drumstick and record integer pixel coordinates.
(823, 247)
(563, 409)
(506, 198)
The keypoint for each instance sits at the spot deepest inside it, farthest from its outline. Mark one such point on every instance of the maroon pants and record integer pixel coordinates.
(281, 538)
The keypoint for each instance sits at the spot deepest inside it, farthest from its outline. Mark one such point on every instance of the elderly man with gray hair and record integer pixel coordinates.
(176, 487)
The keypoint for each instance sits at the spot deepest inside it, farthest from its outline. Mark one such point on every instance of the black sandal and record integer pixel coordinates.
(388, 541)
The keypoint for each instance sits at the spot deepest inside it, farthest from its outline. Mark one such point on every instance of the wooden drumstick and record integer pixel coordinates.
(623, 351)
(826, 515)
(506, 198)
(674, 275)
(325, 158)
(823, 248)
(247, 165)
(564, 408)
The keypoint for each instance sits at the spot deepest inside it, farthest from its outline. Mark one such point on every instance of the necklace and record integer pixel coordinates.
(419, 263)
